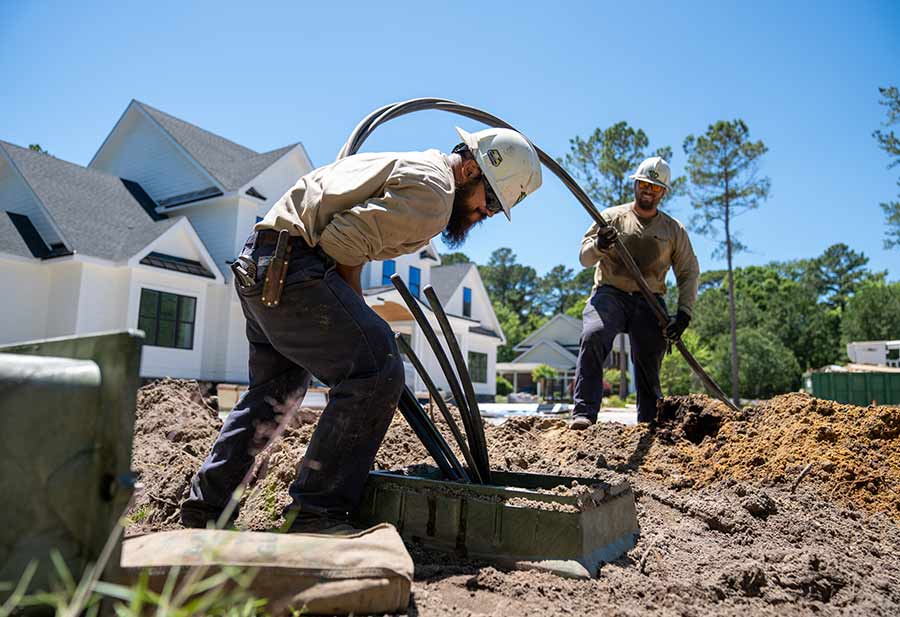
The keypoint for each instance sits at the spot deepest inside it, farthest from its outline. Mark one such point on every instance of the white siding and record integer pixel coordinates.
(178, 243)
(275, 181)
(15, 196)
(559, 329)
(487, 346)
(216, 224)
(545, 354)
(238, 350)
(25, 317)
(139, 150)
(63, 299)
(215, 322)
(103, 301)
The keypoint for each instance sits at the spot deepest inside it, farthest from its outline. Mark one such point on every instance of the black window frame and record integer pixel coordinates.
(152, 336)
(467, 306)
(385, 275)
(476, 370)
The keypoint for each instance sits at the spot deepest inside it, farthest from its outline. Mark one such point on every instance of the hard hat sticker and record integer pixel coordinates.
(653, 174)
(495, 157)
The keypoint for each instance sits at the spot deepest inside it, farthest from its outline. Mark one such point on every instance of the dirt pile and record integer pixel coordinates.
(853, 452)
(173, 431)
(721, 531)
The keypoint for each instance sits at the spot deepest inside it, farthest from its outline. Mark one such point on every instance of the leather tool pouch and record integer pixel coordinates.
(276, 271)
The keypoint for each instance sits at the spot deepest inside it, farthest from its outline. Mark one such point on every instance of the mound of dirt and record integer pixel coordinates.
(722, 531)
(854, 452)
(173, 431)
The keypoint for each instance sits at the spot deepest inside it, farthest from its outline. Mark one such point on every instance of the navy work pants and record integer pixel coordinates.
(321, 327)
(609, 312)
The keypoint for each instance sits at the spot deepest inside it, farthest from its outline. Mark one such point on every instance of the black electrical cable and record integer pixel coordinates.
(444, 363)
(479, 447)
(395, 110)
(438, 399)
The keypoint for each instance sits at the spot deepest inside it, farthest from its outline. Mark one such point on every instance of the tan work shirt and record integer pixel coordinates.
(369, 206)
(656, 243)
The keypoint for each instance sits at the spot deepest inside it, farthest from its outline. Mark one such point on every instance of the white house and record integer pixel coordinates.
(555, 344)
(465, 300)
(142, 238)
(879, 353)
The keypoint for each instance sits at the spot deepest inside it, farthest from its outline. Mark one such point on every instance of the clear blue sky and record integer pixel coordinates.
(804, 77)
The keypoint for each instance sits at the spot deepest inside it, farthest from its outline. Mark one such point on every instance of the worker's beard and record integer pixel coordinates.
(460, 223)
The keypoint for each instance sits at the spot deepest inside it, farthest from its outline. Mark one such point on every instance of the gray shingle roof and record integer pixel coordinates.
(95, 212)
(231, 164)
(445, 279)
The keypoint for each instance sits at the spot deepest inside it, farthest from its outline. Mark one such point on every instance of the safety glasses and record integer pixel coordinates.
(491, 201)
(653, 188)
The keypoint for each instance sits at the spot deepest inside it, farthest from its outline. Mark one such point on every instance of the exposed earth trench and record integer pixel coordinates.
(722, 531)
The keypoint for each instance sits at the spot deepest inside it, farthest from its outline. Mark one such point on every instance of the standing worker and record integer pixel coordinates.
(298, 281)
(657, 242)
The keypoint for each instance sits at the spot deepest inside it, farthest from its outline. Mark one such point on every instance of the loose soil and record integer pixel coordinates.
(726, 529)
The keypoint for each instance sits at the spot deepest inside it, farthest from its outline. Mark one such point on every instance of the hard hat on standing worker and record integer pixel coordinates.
(654, 170)
(508, 161)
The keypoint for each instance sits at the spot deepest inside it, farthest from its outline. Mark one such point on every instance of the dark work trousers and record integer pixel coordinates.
(321, 327)
(609, 312)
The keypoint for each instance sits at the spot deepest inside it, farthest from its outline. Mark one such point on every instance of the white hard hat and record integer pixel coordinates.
(508, 161)
(654, 170)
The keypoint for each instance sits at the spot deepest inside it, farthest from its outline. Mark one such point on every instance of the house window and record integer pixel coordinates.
(467, 302)
(478, 367)
(167, 319)
(388, 267)
(415, 280)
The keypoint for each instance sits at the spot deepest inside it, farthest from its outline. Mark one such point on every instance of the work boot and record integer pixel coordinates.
(579, 423)
(197, 518)
(329, 525)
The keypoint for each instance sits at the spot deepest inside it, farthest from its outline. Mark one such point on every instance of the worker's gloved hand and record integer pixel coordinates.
(606, 237)
(677, 325)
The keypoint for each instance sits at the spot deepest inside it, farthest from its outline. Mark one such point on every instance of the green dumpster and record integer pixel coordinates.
(860, 388)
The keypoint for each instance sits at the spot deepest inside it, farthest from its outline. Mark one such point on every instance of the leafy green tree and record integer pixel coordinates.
(873, 314)
(768, 300)
(675, 376)
(722, 169)
(510, 283)
(577, 309)
(504, 387)
(839, 272)
(768, 368)
(541, 374)
(450, 259)
(890, 143)
(602, 162)
(37, 148)
(515, 329)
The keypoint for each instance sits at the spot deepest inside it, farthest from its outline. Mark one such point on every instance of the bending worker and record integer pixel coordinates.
(298, 280)
(657, 242)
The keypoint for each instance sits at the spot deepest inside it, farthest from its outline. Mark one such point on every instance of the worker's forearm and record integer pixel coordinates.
(351, 275)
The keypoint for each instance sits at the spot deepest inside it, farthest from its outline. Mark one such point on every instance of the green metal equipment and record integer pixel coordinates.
(66, 420)
(524, 520)
(857, 388)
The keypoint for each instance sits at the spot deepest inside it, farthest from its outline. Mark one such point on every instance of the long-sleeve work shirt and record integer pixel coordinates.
(369, 207)
(656, 243)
